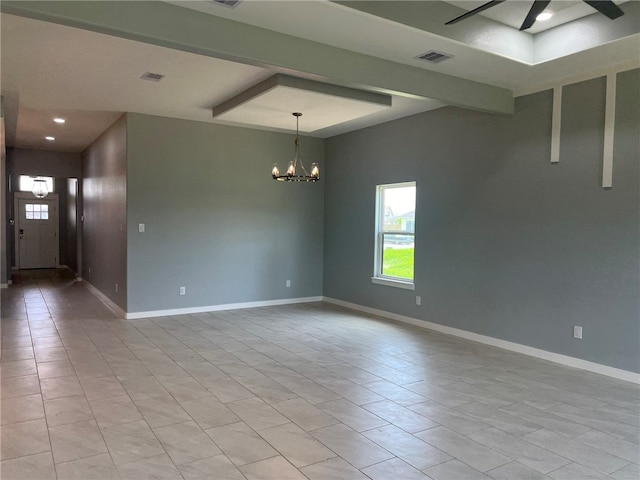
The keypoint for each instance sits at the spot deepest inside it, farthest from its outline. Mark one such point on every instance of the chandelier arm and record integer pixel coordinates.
(301, 163)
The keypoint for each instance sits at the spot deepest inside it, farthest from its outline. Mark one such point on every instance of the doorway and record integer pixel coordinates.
(36, 231)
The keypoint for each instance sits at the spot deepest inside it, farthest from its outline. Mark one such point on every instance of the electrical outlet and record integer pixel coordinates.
(288, 284)
(418, 300)
(141, 227)
(577, 332)
(183, 290)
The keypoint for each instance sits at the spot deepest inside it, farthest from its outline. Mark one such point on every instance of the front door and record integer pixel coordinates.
(37, 232)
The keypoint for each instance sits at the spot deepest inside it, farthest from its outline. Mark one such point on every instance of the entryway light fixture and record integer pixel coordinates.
(40, 187)
(290, 175)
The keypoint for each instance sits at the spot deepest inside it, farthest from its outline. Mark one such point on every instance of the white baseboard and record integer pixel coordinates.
(106, 300)
(217, 308)
(4, 285)
(496, 342)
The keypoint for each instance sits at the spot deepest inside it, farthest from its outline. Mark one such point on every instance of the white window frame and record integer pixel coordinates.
(378, 277)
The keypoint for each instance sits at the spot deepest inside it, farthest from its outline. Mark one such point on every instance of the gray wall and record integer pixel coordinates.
(61, 166)
(508, 245)
(104, 203)
(40, 162)
(4, 257)
(216, 222)
(60, 187)
(71, 219)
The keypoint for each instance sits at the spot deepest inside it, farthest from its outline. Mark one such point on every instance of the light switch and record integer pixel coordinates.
(141, 227)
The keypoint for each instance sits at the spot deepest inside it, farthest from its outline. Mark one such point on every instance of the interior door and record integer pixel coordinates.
(37, 233)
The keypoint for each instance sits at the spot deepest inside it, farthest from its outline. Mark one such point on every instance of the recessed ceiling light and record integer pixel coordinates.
(59, 120)
(544, 16)
(51, 139)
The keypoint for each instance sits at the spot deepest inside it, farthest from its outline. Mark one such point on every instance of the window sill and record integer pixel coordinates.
(393, 283)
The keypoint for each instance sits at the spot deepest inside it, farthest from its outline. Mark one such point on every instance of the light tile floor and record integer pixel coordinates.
(304, 391)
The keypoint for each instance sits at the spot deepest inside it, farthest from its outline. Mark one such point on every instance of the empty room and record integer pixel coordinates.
(324, 240)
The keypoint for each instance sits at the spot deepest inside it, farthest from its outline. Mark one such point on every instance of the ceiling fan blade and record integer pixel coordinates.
(470, 13)
(536, 9)
(606, 7)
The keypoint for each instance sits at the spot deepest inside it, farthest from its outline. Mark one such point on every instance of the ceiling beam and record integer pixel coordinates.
(167, 25)
(303, 84)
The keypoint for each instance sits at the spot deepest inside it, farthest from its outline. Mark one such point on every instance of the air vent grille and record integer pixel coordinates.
(433, 56)
(227, 3)
(153, 77)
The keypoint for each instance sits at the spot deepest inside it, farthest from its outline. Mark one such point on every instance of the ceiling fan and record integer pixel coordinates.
(606, 7)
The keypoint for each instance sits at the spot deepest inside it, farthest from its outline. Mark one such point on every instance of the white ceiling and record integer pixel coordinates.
(320, 110)
(91, 78)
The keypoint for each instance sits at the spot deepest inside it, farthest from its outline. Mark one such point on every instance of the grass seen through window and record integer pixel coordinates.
(398, 262)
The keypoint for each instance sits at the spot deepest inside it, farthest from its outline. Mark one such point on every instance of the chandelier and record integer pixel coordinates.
(290, 174)
(39, 188)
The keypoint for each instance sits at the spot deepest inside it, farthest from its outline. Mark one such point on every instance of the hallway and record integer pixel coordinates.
(298, 391)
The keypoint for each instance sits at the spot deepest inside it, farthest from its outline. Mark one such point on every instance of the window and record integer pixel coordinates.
(36, 211)
(26, 183)
(395, 234)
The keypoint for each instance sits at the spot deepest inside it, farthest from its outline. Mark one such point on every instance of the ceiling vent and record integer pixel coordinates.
(152, 77)
(434, 57)
(227, 3)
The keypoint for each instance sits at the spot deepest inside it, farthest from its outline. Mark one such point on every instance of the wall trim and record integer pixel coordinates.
(609, 131)
(217, 308)
(4, 285)
(106, 300)
(496, 342)
(556, 123)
